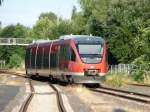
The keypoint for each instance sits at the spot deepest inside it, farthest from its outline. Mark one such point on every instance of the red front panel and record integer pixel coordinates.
(79, 66)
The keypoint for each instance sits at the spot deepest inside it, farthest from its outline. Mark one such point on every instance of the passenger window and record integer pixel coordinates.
(73, 56)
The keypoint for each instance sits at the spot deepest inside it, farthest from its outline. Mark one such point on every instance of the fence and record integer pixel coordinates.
(128, 68)
(121, 68)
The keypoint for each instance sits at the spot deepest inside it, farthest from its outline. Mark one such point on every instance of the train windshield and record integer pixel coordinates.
(90, 53)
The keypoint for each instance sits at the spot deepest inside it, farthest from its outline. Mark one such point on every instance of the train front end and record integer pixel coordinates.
(91, 64)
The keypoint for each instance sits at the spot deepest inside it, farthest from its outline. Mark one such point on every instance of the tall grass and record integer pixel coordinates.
(121, 79)
(117, 79)
(146, 79)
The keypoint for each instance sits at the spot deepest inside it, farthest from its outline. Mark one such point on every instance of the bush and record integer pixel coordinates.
(141, 68)
(15, 61)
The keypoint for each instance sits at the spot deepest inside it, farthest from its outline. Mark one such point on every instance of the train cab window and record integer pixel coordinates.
(73, 56)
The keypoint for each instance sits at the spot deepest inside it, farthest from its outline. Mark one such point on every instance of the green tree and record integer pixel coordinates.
(64, 27)
(8, 31)
(15, 61)
(95, 12)
(78, 22)
(126, 24)
(50, 15)
(94, 27)
(95, 8)
(20, 31)
(50, 26)
(44, 28)
(14, 31)
(6, 52)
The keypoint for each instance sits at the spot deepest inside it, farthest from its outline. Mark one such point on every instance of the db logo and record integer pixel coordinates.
(91, 66)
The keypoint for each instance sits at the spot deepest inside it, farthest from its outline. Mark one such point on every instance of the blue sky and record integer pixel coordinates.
(27, 12)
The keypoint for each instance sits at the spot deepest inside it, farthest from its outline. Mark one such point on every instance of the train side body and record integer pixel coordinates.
(77, 59)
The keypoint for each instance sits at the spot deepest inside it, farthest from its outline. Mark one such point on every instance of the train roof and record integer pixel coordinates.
(83, 38)
(77, 38)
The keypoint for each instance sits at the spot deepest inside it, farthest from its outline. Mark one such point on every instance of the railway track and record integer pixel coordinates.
(142, 98)
(60, 104)
(14, 73)
(143, 85)
(25, 105)
(59, 99)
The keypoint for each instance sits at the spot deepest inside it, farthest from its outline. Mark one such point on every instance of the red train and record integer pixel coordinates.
(72, 58)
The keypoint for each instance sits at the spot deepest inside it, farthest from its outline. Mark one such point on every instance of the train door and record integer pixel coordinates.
(46, 61)
(33, 54)
(72, 61)
(30, 58)
(64, 57)
(57, 58)
(54, 59)
(42, 63)
(36, 56)
(50, 47)
(39, 60)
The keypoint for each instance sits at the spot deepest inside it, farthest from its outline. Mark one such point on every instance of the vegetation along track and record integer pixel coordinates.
(124, 94)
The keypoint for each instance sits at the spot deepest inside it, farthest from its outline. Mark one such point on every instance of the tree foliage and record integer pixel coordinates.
(14, 31)
(49, 15)
(44, 28)
(7, 53)
(50, 27)
(8, 31)
(15, 61)
(126, 23)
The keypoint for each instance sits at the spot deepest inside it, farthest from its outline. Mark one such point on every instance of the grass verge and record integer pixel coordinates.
(147, 79)
(117, 79)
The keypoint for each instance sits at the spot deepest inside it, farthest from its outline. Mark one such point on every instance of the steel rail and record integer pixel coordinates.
(25, 105)
(136, 84)
(124, 94)
(59, 99)
(128, 92)
(14, 73)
